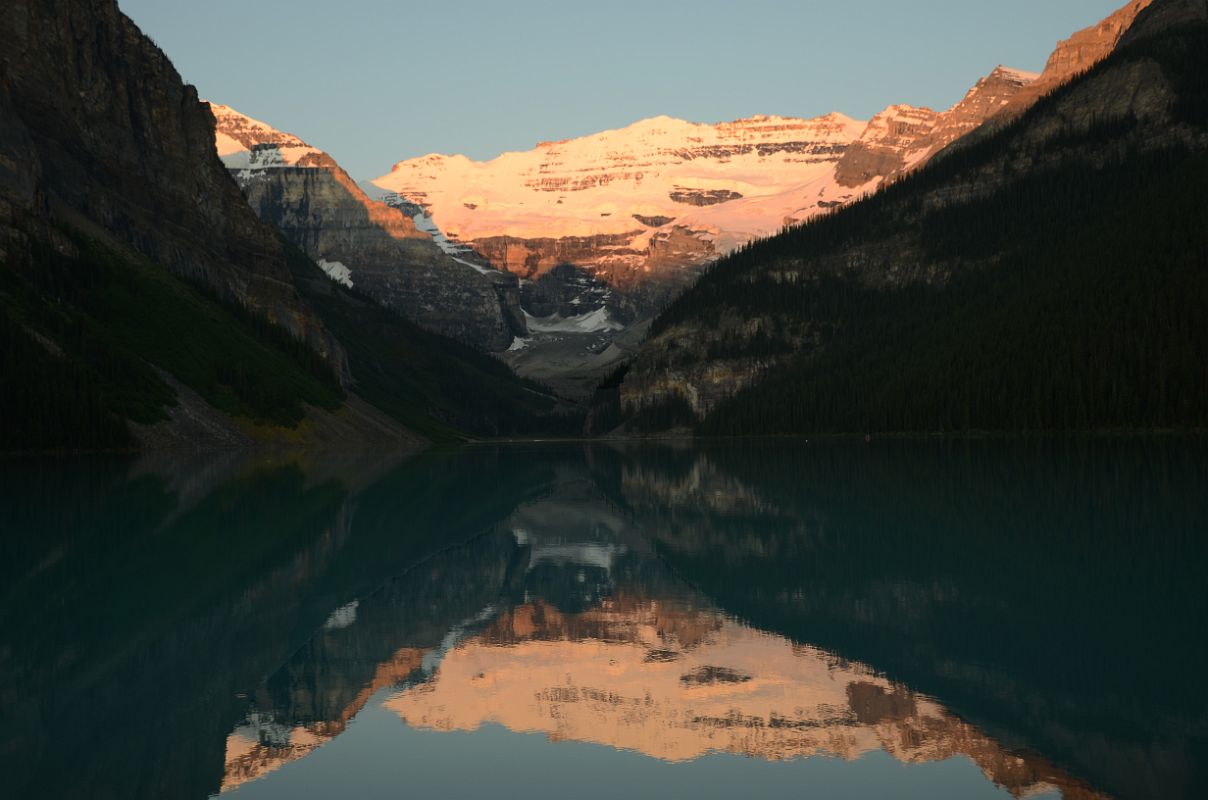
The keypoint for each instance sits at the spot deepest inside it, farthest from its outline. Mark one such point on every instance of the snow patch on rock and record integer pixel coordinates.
(336, 271)
(598, 321)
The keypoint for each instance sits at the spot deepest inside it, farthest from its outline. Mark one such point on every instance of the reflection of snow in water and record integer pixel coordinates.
(342, 617)
(602, 556)
(561, 554)
(264, 727)
(432, 659)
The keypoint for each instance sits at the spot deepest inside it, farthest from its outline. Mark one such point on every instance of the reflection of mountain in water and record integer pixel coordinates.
(734, 690)
(1047, 591)
(582, 634)
(1033, 608)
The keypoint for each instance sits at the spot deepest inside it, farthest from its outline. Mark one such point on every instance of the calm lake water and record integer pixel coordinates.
(839, 620)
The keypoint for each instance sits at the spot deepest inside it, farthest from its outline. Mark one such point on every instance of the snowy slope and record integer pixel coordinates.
(661, 194)
(657, 168)
(246, 143)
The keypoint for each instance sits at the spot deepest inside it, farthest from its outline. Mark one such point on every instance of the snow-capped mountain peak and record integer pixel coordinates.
(655, 175)
(244, 142)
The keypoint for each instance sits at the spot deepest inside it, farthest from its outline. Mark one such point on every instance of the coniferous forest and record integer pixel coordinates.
(1075, 298)
(87, 341)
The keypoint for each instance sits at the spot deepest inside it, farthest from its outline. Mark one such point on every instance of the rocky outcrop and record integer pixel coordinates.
(887, 146)
(903, 138)
(98, 133)
(531, 258)
(693, 363)
(1071, 58)
(703, 197)
(363, 243)
(702, 385)
(1089, 46)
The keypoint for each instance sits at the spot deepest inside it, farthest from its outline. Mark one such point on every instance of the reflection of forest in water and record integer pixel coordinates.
(1029, 606)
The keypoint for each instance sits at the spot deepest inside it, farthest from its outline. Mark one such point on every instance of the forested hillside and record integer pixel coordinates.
(95, 337)
(89, 338)
(1051, 276)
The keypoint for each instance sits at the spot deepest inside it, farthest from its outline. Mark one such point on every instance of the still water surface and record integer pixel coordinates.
(908, 620)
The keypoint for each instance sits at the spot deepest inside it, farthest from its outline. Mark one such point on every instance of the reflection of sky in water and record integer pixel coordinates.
(387, 759)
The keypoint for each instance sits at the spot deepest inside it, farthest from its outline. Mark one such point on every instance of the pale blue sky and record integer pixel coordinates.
(373, 81)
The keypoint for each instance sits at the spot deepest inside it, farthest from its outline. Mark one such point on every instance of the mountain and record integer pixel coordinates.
(604, 230)
(133, 277)
(1046, 274)
(305, 194)
(143, 303)
(100, 131)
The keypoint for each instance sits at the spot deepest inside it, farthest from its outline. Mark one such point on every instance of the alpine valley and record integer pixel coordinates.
(602, 231)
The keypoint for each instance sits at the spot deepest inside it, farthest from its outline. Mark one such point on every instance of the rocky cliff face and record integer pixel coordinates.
(1089, 46)
(1071, 57)
(361, 243)
(99, 134)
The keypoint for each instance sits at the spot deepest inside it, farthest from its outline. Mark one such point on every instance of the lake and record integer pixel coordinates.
(907, 619)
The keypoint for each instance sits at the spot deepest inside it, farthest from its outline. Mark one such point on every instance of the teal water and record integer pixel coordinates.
(988, 619)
